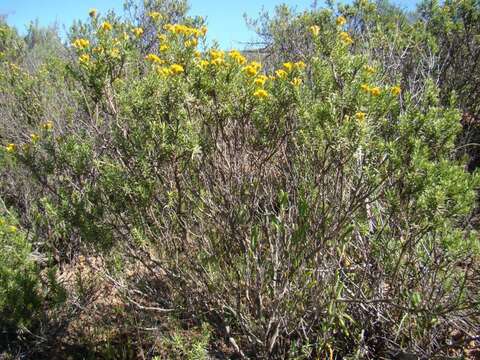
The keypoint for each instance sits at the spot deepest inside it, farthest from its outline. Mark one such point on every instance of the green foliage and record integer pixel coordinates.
(310, 207)
(19, 282)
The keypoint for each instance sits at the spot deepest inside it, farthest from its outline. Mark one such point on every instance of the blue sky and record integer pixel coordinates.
(224, 18)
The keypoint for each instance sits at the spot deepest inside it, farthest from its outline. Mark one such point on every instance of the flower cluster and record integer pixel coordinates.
(81, 44)
(252, 69)
(184, 30)
(137, 31)
(341, 21)
(374, 91)
(345, 38)
(396, 90)
(237, 57)
(154, 15)
(314, 30)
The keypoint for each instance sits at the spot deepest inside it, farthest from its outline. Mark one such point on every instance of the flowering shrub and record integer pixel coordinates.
(312, 208)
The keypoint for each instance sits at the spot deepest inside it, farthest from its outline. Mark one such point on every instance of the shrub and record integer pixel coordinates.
(19, 282)
(314, 209)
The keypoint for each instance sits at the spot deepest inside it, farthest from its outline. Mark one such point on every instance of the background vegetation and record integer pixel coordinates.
(315, 197)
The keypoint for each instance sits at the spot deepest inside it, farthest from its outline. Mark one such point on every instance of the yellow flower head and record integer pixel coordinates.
(375, 91)
(300, 65)
(216, 54)
(176, 69)
(204, 64)
(106, 26)
(81, 43)
(288, 66)
(163, 71)
(365, 88)
(47, 125)
(296, 81)
(238, 57)
(154, 15)
(315, 30)
(34, 137)
(341, 21)
(12, 229)
(154, 59)
(163, 47)
(203, 30)
(345, 38)
(281, 73)
(137, 31)
(369, 69)
(260, 94)
(191, 43)
(92, 13)
(84, 59)
(360, 116)
(396, 90)
(162, 37)
(218, 61)
(10, 148)
(197, 54)
(252, 68)
(260, 80)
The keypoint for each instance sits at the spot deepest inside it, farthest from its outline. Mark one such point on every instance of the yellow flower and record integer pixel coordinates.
(137, 32)
(369, 69)
(84, 59)
(155, 15)
(360, 116)
(92, 13)
(365, 88)
(162, 37)
(34, 137)
(164, 71)
(191, 43)
(281, 73)
(345, 38)
(288, 66)
(203, 30)
(81, 43)
(12, 229)
(341, 21)
(197, 54)
(238, 57)
(296, 81)
(106, 26)
(176, 69)
(315, 30)
(396, 90)
(98, 50)
(375, 91)
(218, 61)
(252, 68)
(154, 59)
(10, 148)
(300, 65)
(260, 81)
(260, 94)
(163, 47)
(203, 64)
(47, 125)
(216, 54)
